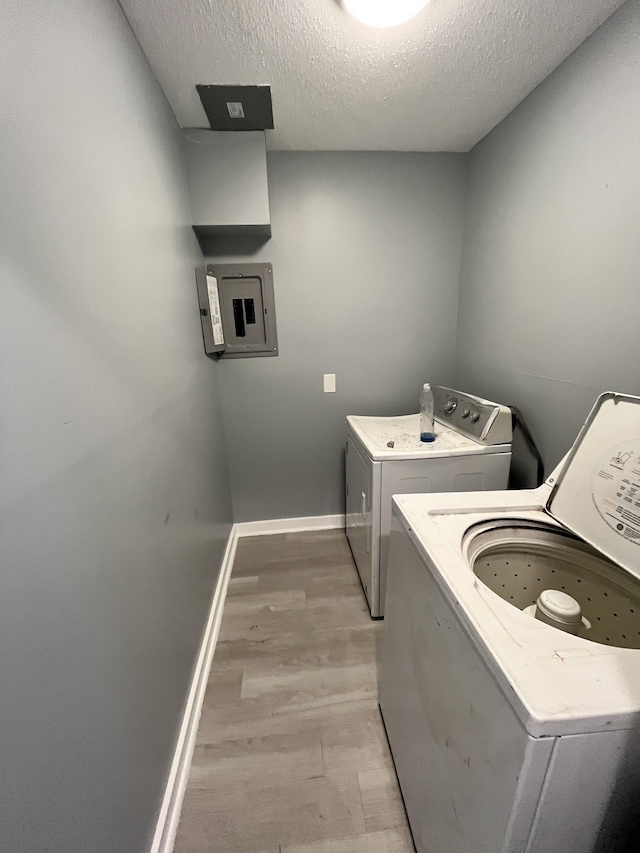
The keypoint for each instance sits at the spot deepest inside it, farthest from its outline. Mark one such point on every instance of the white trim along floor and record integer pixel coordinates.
(166, 828)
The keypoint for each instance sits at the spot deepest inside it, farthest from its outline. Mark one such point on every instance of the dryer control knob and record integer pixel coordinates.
(450, 407)
(474, 417)
(465, 413)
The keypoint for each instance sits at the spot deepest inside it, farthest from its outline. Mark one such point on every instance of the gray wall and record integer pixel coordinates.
(549, 311)
(114, 501)
(366, 254)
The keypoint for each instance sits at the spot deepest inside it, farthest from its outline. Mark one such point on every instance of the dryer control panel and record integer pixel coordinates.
(486, 422)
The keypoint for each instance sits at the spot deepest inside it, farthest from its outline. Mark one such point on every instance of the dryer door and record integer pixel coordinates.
(360, 519)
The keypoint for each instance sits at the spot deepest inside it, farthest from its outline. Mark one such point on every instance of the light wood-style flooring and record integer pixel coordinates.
(291, 755)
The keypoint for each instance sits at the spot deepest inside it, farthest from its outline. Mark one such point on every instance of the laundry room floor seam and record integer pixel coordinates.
(291, 755)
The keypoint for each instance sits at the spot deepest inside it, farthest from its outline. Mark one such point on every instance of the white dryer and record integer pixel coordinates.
(510, 735)
(384, 456)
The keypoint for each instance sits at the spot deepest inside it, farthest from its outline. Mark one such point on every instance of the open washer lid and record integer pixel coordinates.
(597, 493)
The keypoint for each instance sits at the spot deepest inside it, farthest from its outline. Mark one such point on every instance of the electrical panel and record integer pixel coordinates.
(237, 310)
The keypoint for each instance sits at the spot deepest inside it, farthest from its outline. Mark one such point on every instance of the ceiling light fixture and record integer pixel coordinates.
(384, 13)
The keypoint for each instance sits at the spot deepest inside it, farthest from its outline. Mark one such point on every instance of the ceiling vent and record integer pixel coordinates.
(237, 107)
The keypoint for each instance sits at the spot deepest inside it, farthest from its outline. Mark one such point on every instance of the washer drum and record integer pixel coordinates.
(518, 561)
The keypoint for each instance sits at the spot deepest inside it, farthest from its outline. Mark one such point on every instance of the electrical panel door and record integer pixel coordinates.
(238, 311)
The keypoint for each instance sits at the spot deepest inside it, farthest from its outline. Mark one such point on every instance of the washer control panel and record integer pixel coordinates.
(482, 420)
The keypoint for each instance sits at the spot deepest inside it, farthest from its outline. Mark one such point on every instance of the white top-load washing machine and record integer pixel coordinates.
(385, 456)
(509, 734)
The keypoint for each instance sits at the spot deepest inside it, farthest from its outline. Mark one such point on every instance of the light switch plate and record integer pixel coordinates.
(329, 381)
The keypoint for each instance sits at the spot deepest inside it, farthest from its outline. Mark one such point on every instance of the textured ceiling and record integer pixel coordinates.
(437, 83)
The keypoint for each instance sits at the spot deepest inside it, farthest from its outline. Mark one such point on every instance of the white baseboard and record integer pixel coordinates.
(167, 825)
(289, 525)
